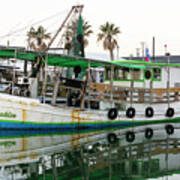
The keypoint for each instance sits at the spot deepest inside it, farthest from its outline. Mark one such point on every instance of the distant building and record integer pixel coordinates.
(158, 59)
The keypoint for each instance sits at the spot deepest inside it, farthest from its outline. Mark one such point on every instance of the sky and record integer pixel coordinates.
(138, 20)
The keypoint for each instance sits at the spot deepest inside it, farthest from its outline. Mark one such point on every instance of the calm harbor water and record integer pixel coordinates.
(86, 156)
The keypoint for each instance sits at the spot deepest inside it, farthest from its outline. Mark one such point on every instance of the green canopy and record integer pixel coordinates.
(61, 60)
(148, 63)
(53, 59)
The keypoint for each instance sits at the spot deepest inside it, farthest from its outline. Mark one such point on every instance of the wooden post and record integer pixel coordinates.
(168, 81)
(54, 169)
(109, 161)
(89, 80)
(55, 90)
(131, 88)
(151, 87)
(168, 88)
(111, 84)
(86, 85)
(14, 71)
(43, 93)
(166, 154)
(25, 67)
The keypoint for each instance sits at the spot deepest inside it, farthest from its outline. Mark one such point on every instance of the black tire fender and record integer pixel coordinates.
(149, 112)
(112, 113)
(131, 112)
(170, 112)
(169, 129)
(112, 138)
(130, 136)
(148, 133)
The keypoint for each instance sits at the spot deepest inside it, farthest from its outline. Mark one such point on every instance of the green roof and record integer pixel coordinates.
(72, 61)
(148, 63)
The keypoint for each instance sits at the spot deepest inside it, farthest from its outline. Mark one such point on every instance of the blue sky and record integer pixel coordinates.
(139, 20)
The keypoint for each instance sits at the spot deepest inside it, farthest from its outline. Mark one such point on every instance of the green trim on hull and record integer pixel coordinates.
(141, 122)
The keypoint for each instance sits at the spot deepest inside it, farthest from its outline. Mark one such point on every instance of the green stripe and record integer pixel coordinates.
(168, 120)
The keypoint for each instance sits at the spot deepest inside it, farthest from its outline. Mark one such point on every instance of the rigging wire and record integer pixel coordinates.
(35, 23)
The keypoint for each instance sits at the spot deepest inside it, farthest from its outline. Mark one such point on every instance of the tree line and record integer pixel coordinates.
(37, 38)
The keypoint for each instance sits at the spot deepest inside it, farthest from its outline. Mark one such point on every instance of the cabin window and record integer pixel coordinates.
(119, 74)
(122, 74)
(156, 74)
(108, 74)
(136, 75)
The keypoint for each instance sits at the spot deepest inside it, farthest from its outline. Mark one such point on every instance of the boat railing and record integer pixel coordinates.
(139, 95)
(100, 91)
(64, 85)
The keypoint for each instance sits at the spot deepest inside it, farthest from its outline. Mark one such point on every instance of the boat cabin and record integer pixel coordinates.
(142, 77)
(89, 83)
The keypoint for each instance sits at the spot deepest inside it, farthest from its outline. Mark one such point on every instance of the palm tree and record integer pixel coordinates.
(87, 32)
(37, 38)
(108, 35)
(37, 41)
(71, 31)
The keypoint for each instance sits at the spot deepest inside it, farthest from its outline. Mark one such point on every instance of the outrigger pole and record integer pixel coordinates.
(62, 25)
(50, 43)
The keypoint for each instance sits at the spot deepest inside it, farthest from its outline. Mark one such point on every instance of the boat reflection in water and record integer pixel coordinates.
(61, 155)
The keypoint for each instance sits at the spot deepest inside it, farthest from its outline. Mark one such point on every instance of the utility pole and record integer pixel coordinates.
(117, 51)
(153, 49)
(137, 52)
(142, 48)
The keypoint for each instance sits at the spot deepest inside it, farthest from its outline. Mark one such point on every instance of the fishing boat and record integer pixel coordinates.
(139, 100)
(92, 94)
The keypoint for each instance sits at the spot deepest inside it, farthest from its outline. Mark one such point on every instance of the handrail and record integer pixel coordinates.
(99, 91)
(140, 95)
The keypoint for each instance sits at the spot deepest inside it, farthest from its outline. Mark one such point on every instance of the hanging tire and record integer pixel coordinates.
(149, 112)
(169, 129)
(148, 74)
(112, 138)
(170, 112)
(148, 133)
(130, 136)
(112, 113)
(130, 113)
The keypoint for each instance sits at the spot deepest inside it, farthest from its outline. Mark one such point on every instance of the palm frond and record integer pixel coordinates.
(37, 38)
(108, 33)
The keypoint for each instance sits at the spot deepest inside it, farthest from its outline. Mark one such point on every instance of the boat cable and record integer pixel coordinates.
(33, 24)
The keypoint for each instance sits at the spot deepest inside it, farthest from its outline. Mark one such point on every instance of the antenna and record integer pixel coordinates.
(153, 49)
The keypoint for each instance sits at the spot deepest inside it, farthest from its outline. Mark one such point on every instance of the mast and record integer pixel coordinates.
(74, 8)
(57, 81)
